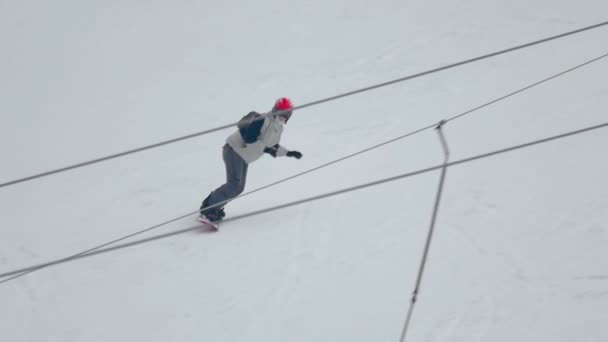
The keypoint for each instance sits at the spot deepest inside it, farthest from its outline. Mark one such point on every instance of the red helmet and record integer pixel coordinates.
(283, 105)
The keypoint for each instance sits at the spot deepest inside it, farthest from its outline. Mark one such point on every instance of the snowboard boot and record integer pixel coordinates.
(212, 214)
(215, 214)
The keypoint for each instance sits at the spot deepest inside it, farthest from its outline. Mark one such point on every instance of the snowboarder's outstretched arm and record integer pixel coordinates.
(280, 151)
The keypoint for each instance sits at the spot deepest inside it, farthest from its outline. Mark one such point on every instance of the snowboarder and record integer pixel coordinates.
(257, 134)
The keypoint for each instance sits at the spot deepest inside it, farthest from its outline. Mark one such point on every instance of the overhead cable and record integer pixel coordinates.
(429, 237)
(345, 157)
(313, 103)
(20, 273)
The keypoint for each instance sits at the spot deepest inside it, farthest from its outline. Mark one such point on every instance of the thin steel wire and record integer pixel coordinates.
(310, 104)
(19, 273)
(346, 157)
(429, 238)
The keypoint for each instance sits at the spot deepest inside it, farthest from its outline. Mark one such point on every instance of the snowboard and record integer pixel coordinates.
(208, 225)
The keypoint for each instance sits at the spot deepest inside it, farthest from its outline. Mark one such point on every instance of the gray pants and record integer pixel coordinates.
(236, 177)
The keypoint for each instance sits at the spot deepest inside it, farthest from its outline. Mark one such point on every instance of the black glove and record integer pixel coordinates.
(294, 154)
(271, 150)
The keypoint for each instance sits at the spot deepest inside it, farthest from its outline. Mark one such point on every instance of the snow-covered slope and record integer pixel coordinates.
(520, 245)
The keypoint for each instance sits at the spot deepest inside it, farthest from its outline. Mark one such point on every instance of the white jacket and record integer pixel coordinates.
(270, 135)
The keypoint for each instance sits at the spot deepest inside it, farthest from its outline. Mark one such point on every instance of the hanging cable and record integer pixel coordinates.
(348, 156)
(20, 273)
(429, 238)
(310, 104)
(528, 87)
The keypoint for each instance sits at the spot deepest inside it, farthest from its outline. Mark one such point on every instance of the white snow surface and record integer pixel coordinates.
(520, 247)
